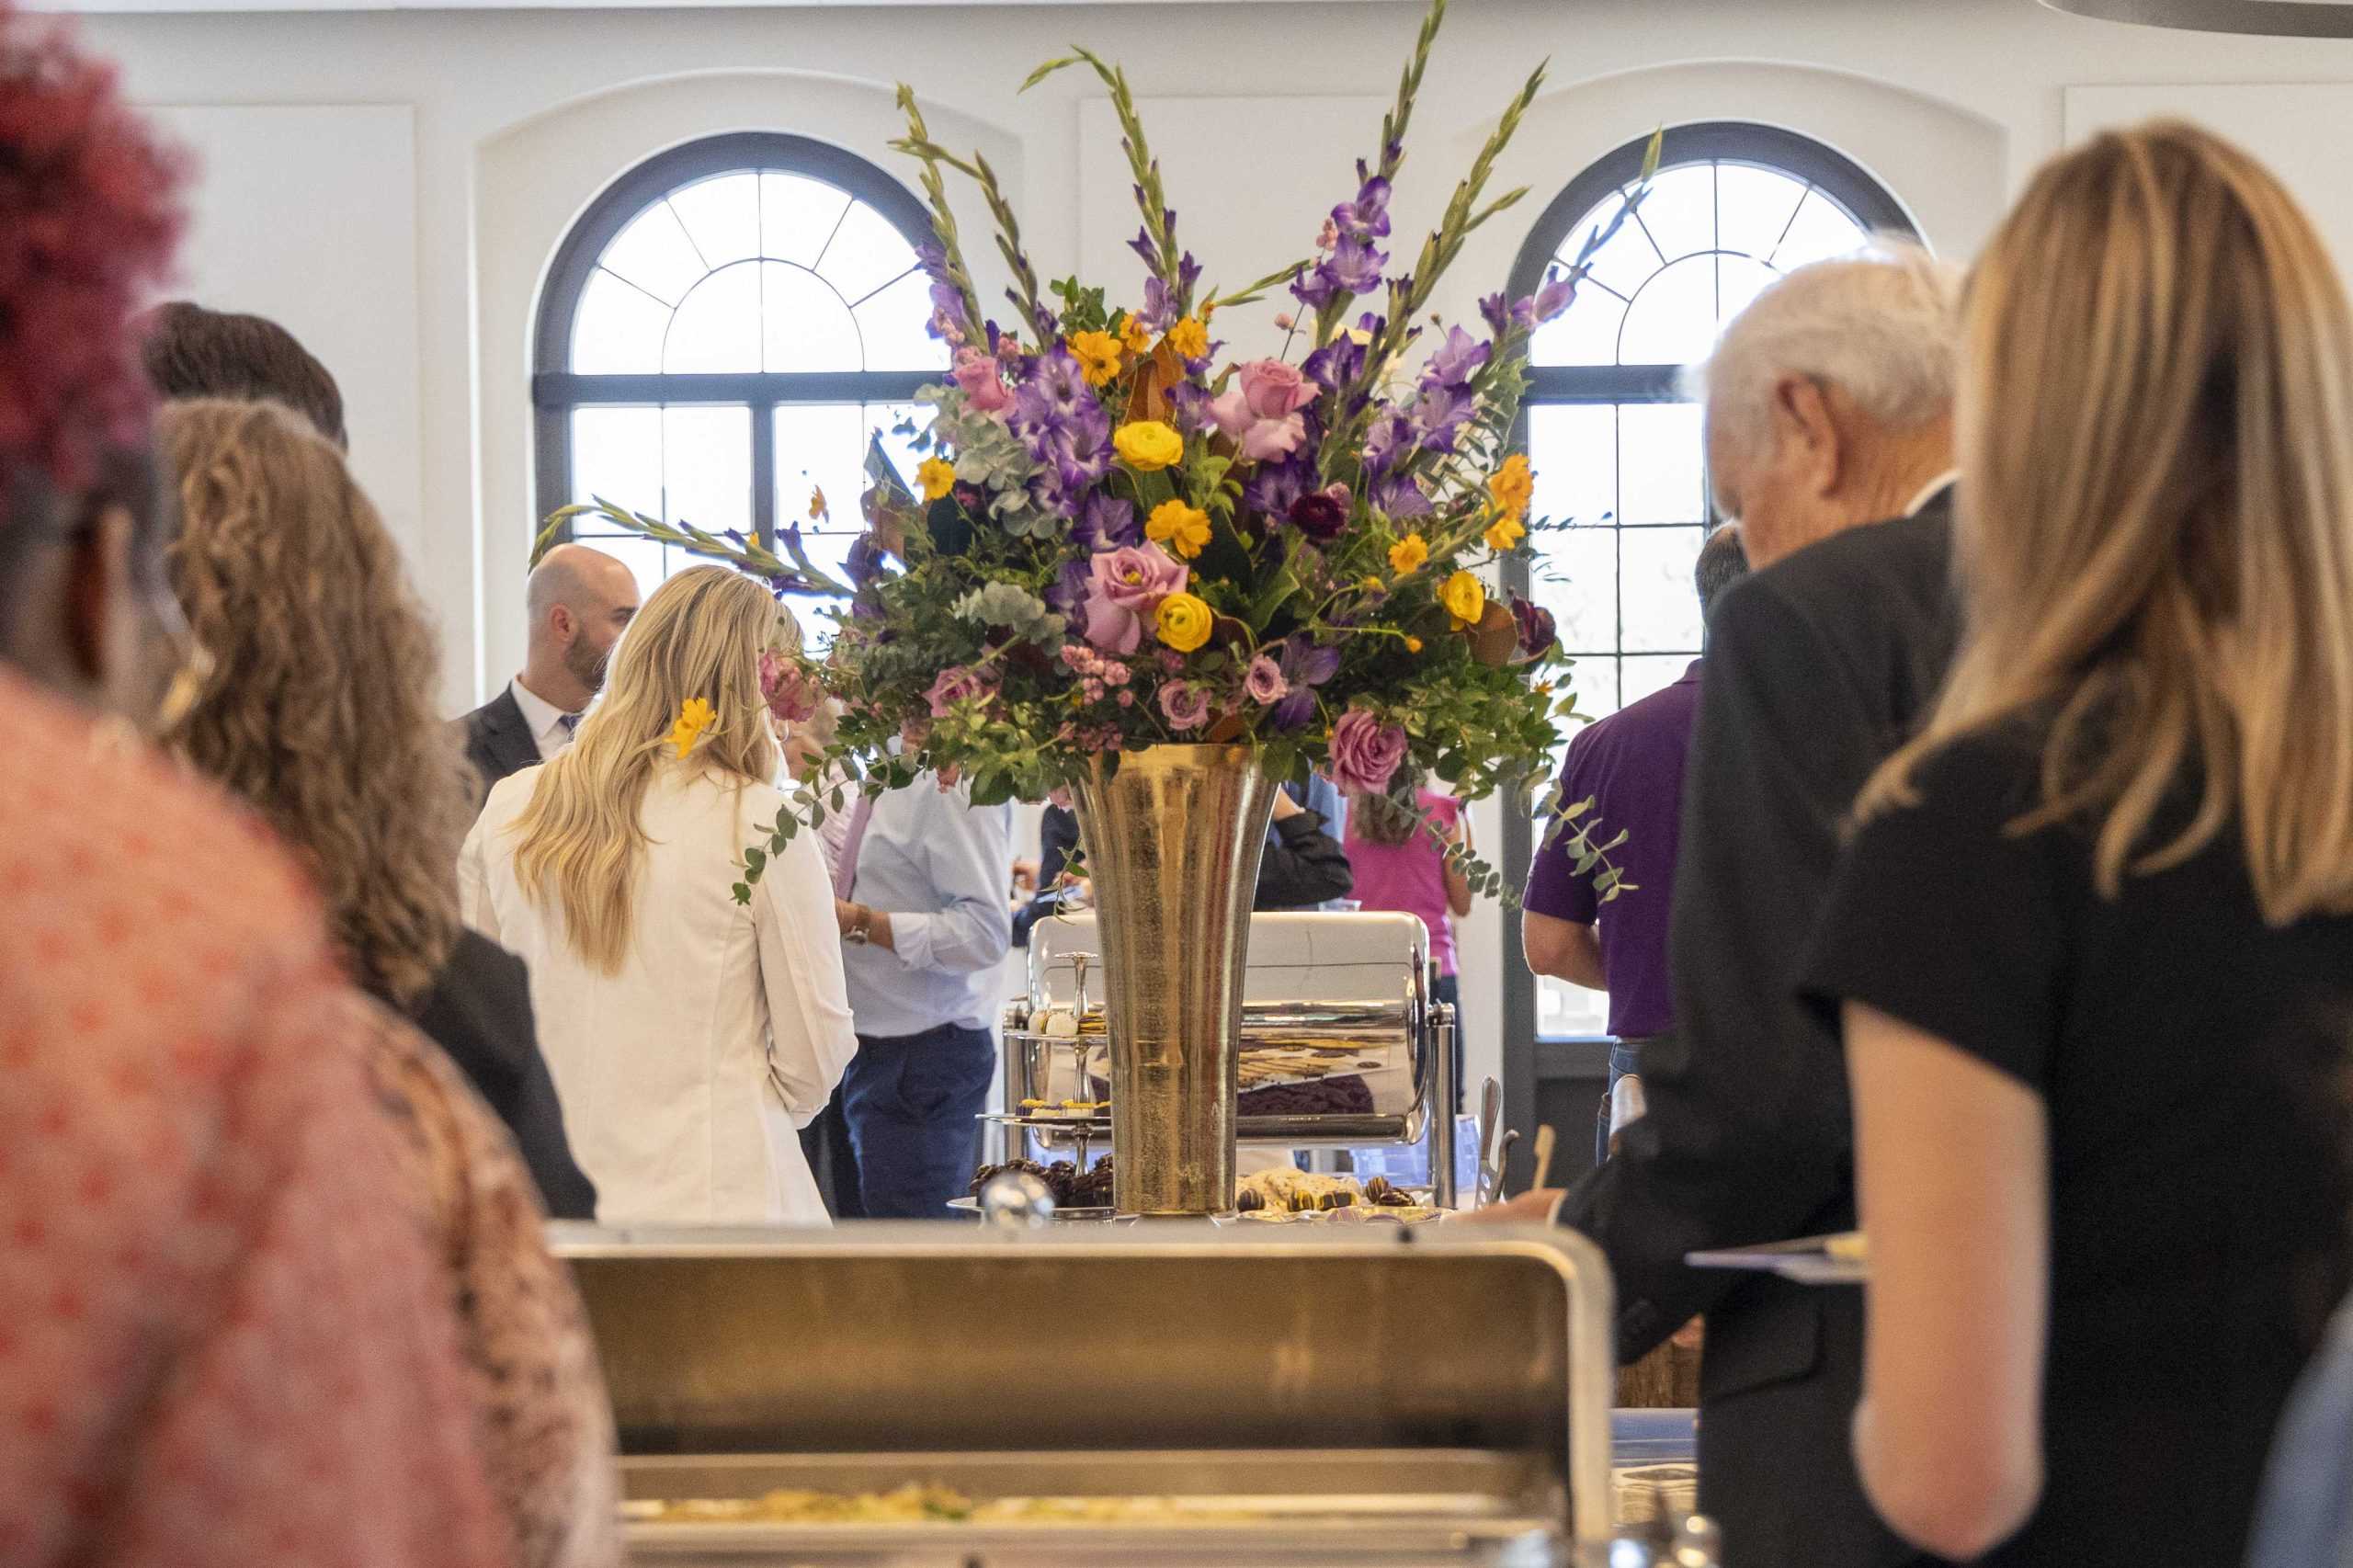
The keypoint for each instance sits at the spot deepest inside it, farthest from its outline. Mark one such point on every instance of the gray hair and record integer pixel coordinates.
(1883, 324)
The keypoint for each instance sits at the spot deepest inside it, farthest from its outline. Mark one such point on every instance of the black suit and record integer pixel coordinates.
(499, 739)
(479, 1012)
(1818, 668)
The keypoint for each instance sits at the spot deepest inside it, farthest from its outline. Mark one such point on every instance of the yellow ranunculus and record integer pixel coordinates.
(1183, 623)
(1148, 445)
(1505, 533)
(936, 476)
(1512, 485)
(1134, 335)
(1465, 599)
(1191, 338)
(1185, 529)
(1097, 354)
(695, 716)
(1405, 557)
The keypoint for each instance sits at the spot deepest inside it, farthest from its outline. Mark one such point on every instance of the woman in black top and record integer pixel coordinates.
(2091, 940)
(322, 716)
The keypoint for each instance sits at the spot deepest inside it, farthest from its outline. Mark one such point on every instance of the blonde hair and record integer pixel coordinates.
(323, 715)
(579, 840)
(2154, 536)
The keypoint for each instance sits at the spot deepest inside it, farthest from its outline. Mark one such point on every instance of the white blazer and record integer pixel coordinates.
(684, 1076)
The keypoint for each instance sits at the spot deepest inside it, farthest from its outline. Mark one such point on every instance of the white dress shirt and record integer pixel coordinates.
(546, 719)
(1933, 489)
(684, 1076)
(942, 869)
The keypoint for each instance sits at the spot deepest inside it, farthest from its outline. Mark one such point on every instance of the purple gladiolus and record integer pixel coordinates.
(1159, 313)
(1496, 310)
(1557, 295)
(1400, 496)
(1456, 360)
(1294, 712)
(1366, 753)
(1273, 487)
(1105, 522)
(1439, 415)
(1336, 364)
(1067, 596)
(1391, 436)
(1305, 665)
(1365, 218)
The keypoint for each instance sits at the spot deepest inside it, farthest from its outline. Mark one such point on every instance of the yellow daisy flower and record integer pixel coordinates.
(1185, 529)
(1505, 533)
(695, 716)
(1512, 485)
(1191, 338)
(1097, 354)
(1135, 336)
(936, 476)
(1406, 556)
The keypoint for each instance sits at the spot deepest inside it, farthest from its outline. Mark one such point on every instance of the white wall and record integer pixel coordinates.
(416, 284)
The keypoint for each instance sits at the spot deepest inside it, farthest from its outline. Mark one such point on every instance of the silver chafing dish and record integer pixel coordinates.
(1193, 1394)
(1342, 1045)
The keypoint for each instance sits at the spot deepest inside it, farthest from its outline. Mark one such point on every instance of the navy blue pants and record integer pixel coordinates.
(911, 1104)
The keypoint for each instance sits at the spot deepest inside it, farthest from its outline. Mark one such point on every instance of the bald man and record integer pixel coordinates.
(579, 600)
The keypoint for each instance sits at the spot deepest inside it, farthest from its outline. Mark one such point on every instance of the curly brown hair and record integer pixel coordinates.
(322, 714)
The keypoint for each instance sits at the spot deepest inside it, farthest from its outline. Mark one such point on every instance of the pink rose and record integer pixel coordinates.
(1260, 410)
(956, 684)
(1187, 707)
(1123, 586)
(1366, 753)
(983, 380)
(792, 696)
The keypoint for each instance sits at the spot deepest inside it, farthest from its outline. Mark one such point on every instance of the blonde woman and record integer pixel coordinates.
(690, 1036)
(326, 720)
(2091, 941)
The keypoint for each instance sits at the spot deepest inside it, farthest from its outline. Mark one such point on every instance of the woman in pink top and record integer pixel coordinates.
(1398, 858)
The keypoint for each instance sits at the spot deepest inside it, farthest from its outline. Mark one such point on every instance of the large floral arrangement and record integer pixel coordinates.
(1124, 538)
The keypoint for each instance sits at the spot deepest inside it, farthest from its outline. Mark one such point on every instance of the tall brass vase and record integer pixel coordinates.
(1172, 842)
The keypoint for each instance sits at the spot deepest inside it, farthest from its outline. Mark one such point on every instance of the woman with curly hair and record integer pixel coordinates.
(325, 720)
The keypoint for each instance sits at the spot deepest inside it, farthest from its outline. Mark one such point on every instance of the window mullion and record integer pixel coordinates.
(764, 474)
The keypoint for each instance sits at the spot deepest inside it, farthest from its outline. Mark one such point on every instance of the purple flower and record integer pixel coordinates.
(1365, 218)
(1390, 438)
(867, 562)
(1188, 403)
(1336, 364)
(1496, 310)
(1189, 272)
(956, 684)
(1399, 496)
(1067, 597)
(1106, 522)
(1159, 313)
(1274, 488)
(1305, 665)
(1184, 705)
(1053, 390)
(1294, 712)
(1263, 684)
(1260, 412)
(1557, 295)
(1456, 360)
(1352, 267)
(1366, 753)
(1125, 586)
(1439, 414)
(1320, 514)
(1537, 633)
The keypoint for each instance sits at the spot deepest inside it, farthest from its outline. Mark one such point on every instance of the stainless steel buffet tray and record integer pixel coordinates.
(1363, 1397)
(1289, 1506)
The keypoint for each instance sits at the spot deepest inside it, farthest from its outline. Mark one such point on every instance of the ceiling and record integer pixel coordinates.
(2302, 18)
(104, 6)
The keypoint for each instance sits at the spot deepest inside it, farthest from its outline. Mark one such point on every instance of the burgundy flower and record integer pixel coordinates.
(1320, 516)
(1537, 633)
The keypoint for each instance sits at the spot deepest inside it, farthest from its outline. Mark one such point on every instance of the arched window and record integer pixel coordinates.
(1616, 447)
(723, 331)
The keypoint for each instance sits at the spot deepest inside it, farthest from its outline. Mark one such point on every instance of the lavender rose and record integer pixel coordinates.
(983, 380)
(1265, 684)
(1260, 411)
(1186, 706)
(1366, 753)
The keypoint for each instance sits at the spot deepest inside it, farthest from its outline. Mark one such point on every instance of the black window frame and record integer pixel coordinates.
(1823, 168)
(557, 390)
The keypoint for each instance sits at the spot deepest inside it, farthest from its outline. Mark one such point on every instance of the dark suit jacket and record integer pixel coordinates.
(479, 1011)
(499, 739)
(1818, 668)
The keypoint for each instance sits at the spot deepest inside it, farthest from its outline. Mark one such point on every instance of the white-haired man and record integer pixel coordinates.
(1829, 436)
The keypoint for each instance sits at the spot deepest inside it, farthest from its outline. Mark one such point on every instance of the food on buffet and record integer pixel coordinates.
(1070, 1188)
(918, 1505)
(1349, 1096)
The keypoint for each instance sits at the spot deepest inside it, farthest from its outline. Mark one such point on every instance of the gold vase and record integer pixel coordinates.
(1173, 835)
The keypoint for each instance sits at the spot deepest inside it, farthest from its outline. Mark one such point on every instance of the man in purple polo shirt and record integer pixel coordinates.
(1630, 766)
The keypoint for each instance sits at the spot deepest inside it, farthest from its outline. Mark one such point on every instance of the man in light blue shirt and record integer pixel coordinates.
(920, 897)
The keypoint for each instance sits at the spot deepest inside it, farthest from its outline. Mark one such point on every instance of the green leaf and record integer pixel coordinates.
(1272, 596)
(756, 860)
(1573, 812)
(743, 894)
(1048, 69)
